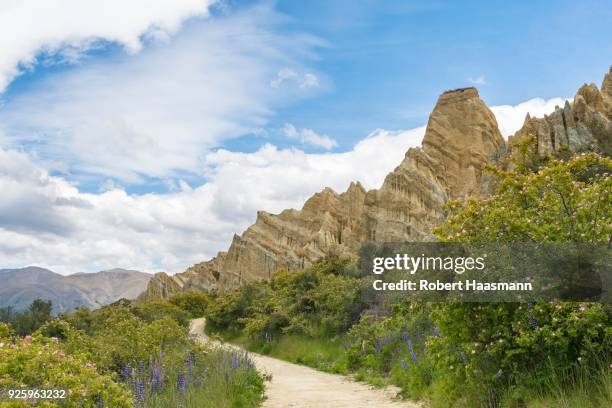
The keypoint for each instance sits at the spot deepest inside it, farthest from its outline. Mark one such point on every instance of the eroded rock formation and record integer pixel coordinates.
(584, 124)
(462, 136)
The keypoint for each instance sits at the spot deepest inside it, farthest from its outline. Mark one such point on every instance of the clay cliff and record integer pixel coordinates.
(461, 138)
(584, 124)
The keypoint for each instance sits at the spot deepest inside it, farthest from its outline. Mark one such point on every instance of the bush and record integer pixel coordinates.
(42, 363)
(194, 303)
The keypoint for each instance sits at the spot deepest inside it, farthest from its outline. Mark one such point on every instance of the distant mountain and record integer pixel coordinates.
(21, 286)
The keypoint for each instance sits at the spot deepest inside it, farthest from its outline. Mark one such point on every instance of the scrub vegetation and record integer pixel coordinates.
(452, 353)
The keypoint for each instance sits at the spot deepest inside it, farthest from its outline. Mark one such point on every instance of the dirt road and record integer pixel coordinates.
(293, 385)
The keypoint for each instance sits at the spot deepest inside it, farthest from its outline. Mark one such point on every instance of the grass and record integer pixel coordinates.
(578, 387)
(221, 385)
(322, 354)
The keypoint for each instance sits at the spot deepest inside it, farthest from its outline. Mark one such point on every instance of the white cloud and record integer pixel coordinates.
(480, 80)
(310, 80)
(29, 28)
(46, 221)
(287, 75)
(157, 113)
(308, 137)
(511, 118)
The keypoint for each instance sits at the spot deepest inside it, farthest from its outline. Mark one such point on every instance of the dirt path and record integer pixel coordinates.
(294, 385)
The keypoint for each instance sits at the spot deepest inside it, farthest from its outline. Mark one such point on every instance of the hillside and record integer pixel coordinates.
(21, 286)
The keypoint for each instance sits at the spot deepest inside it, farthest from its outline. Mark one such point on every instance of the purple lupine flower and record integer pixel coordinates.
(181, 382)
(413, 356)
(378, 346)
(404, 365)
(126, 372)
(140, 392)
(157, 380)
(189, 362)
(100, 402)
(463, 357)
(436, 332)
(235, 360)
(250, 364)
(532, 320)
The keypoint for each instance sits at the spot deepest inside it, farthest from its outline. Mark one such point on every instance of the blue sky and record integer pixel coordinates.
(173, 122)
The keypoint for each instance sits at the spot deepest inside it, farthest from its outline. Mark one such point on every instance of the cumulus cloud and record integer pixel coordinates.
(67, 28)
(155, 114)
(479, 80)
(46, 221)
(308, 137)
(286, 75)
(511, 118)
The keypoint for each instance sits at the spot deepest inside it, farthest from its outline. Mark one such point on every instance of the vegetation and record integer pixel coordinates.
(454, 354)
(29, 320)
(125, 355)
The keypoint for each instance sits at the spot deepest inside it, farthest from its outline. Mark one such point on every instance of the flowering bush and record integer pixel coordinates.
(486, 344)
(42, 363)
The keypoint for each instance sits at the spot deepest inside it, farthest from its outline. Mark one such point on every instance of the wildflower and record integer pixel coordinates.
(579, 359)
(181, 382)
(404, 365)
(127, 372)
(189, 362)
(100, 402)
(413, 356)
(378, 346)
(140, 392)
(157, 381)
(235, 360)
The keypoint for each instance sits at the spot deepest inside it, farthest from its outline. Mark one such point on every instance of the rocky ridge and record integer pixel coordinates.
(461, 138)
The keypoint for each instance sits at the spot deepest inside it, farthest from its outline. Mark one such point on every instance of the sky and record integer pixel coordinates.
(144, 134)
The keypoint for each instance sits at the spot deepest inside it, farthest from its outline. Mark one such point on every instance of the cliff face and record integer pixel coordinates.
(461, 137)
(584, 124)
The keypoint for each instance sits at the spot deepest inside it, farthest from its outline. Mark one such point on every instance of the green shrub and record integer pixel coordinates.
(42, 363)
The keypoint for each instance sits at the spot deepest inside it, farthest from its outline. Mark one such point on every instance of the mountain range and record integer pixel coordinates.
(461, 138)
(21, 286)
